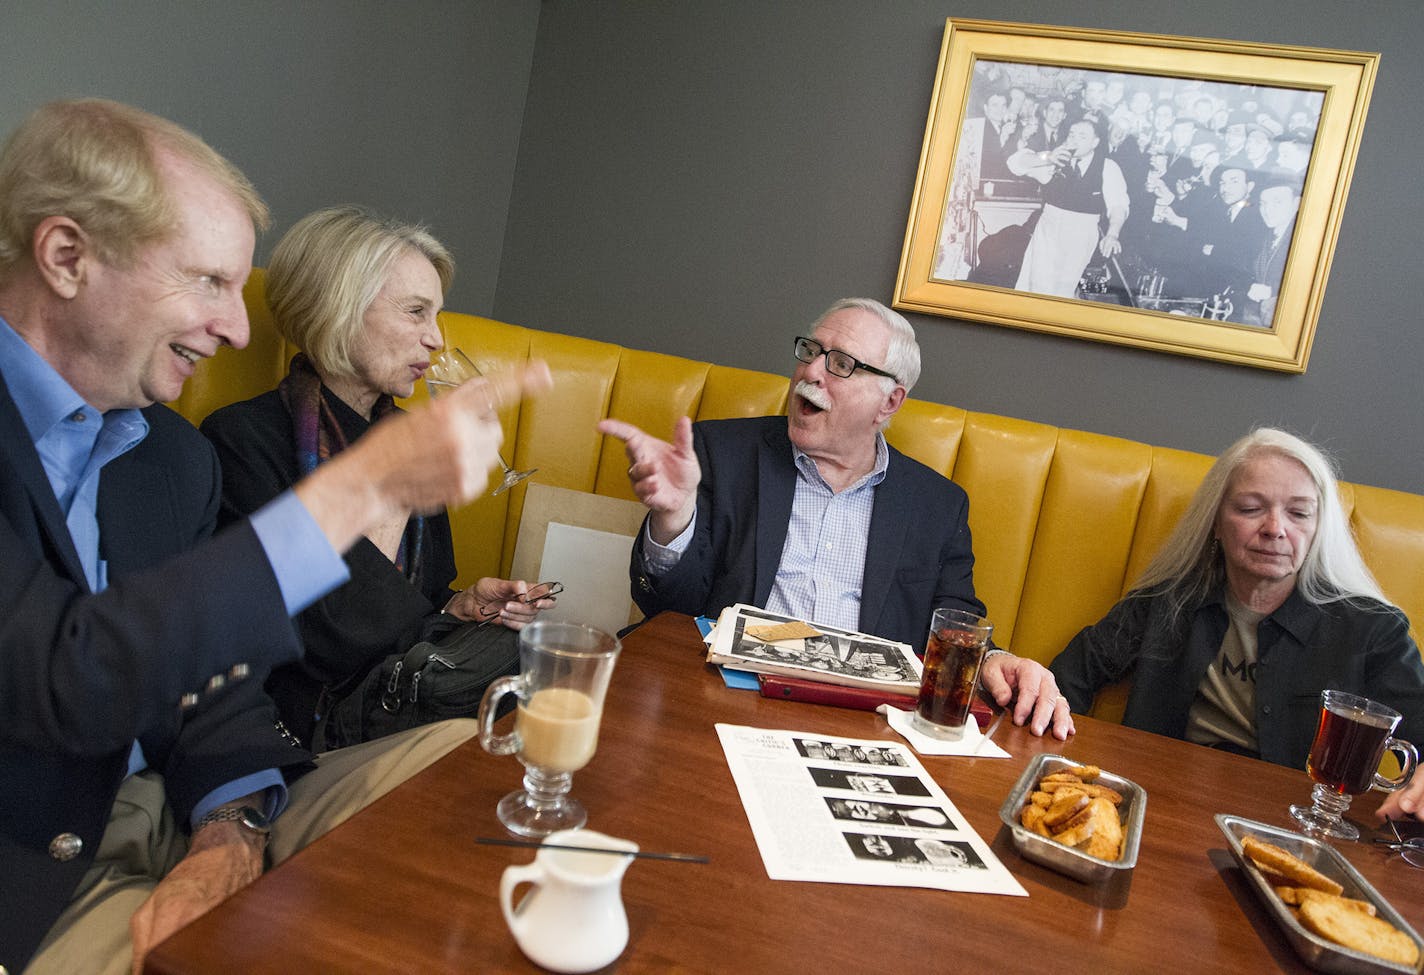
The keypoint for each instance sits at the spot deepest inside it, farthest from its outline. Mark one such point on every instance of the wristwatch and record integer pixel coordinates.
(245, 816)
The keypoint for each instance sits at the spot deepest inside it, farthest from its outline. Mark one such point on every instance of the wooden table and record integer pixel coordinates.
(402, 887)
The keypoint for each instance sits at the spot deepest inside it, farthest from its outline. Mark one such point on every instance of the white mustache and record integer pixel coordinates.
(812, 394)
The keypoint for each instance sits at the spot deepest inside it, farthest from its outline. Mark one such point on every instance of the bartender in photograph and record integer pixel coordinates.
(1081, 187)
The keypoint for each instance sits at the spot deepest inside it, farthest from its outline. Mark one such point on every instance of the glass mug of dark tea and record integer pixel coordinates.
(1353, 735)
(953, 653)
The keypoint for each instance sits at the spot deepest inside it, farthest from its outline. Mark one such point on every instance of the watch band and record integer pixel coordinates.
(244, 816)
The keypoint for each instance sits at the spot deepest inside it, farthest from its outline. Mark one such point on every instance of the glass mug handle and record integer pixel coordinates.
(493, 743)
(1408, 759)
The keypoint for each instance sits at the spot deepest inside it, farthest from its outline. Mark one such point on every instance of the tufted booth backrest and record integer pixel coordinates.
(1063, 520)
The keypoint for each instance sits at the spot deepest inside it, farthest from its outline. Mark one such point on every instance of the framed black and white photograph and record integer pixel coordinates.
(1176, 194)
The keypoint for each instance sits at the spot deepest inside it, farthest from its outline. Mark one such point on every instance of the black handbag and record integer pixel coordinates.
(443, 675)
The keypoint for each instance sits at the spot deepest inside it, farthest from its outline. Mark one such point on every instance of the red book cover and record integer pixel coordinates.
(862, 698)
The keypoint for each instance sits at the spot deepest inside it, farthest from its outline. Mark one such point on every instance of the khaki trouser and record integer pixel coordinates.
(142, 843)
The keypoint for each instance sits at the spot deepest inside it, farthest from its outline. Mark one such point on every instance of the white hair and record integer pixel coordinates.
(1190, 565)
(902, 356)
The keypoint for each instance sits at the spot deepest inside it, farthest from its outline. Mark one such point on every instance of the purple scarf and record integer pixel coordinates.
(318, 437)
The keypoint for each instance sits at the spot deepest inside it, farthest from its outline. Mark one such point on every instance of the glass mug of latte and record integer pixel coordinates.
(563, 675)
(1353, 735)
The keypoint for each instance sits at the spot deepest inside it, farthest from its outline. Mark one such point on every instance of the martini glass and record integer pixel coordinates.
(448, 369)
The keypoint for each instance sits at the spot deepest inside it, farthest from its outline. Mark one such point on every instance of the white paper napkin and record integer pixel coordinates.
(973, 743)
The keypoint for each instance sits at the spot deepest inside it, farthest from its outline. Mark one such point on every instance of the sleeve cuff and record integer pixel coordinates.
(305, 564)
(658, 559)
(269, 780)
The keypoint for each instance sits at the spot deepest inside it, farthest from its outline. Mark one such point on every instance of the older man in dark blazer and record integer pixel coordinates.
(141, 763)
(914, 561)
(813, 514)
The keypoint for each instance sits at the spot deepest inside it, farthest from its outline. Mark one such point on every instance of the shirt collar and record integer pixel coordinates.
(806, 465)
(42, 395)
(1297, 615)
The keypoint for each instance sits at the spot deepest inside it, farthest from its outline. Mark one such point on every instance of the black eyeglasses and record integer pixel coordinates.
(838, 363)
(1412, 849)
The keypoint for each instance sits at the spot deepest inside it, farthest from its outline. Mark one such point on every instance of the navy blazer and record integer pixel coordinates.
(84, 675)
(918, 556)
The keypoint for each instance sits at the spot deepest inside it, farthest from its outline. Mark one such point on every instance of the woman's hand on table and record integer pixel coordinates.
(1404, 803)
(1029, 687)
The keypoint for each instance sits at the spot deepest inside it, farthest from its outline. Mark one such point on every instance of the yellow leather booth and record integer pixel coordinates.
(1063, 520)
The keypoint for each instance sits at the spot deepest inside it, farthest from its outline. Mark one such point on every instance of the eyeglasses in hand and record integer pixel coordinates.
(544, 590)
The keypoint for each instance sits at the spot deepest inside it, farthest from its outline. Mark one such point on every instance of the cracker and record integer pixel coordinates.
(1086, 788)
(775, 632)
(1358, 931)
(1106, 841)
(1274, 879)
(1064, 808)
(1077, 836)
(1296, 896)
(1032, 816)
(1270, 857)
(1071, 809)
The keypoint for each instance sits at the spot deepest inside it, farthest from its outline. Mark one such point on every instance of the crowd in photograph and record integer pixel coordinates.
(1181, 191)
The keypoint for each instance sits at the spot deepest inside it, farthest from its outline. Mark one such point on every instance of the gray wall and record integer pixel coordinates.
(412, 108)
(704, 177)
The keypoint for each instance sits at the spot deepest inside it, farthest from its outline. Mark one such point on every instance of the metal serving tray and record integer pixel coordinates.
(1314, 950)
(1064, 859)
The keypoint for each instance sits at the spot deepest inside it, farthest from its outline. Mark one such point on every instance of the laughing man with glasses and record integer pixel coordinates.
(812, 514)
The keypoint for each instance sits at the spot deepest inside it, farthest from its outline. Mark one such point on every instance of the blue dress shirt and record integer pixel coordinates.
(822, 563)
(75, 441)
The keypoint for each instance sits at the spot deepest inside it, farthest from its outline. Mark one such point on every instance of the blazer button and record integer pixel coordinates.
(65, 847)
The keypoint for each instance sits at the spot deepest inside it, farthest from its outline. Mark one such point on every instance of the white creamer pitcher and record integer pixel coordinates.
(572, 920)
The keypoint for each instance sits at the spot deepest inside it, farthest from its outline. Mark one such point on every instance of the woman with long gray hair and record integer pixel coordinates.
(1258, 602)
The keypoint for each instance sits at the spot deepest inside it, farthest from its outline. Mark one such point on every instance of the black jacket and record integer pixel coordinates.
(84, 675)
(918, 557)
(378, 612)
(1302, 649)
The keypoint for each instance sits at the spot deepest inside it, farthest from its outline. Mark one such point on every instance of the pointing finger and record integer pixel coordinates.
(625, 432)
(682, 435)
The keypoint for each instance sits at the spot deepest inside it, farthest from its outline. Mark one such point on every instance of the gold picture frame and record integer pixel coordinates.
(1168, 291)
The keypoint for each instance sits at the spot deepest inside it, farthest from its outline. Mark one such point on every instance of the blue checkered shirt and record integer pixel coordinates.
(823, 561)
